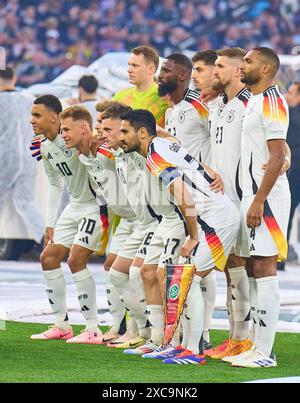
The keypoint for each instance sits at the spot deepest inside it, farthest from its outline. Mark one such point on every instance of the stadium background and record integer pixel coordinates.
(56, 43)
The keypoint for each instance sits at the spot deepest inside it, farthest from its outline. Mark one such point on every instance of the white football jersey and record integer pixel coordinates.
(168, 161)
(62, 166)
(105, 181)
(131, 169)
(226, 142)
(215, 108)
(188, 121)
(266, 118)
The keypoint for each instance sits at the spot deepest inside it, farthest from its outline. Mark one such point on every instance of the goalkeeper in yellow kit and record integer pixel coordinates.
(142, 65)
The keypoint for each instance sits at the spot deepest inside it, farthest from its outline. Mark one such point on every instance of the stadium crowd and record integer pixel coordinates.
(44, 38)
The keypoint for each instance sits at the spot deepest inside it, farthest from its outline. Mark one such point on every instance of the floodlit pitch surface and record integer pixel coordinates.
(25, 360)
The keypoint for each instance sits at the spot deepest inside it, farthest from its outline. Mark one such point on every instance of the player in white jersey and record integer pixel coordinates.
(125, 270)
(187, 119)
(116, 307)
(203, 69)
(211, 233)
(266, 197)
(104, 178)
(226, 150)
(78, 232)
(164, 248)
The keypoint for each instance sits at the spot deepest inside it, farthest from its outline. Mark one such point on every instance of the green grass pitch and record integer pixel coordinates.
(24, 360)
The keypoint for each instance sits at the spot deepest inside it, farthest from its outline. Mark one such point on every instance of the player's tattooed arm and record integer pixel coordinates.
(187, 207)
(217, 185)
(287, 161)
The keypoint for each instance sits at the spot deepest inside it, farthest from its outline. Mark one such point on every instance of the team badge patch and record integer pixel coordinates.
(98, 166)
(230, 117)
(67, 153)
(181, 116)
(139, 164)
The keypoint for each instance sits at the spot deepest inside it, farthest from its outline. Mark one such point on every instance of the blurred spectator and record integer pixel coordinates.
(87, 95)
(293, 140)
(77, 31)
(17, 168)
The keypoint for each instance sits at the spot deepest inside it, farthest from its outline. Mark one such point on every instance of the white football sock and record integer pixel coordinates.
(86, 290)
(240, 302)
(176, 338)
(138, 287)
(116, 308)
(186, 328)
(156, 319)
(56, 292)
(195, 311)
(253, 303)
(209, 291)
(130, 299)
(268, 308)
(230, 312)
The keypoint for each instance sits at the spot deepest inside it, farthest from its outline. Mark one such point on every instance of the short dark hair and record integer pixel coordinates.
(181, 60)
(232, 53)
(77, 113)
(7, 74)
(207, 56)
(115, 111)
(270, 56)
(139, 118)
(51, 102)
(89, 83)
(149, 53)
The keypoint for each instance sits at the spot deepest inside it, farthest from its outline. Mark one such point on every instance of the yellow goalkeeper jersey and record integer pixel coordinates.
(144, 100)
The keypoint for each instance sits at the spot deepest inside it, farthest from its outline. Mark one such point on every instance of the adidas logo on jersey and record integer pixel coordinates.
(85, 239)
(49, 157)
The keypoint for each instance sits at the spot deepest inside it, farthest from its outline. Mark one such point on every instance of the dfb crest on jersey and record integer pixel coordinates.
(98, 165)
(139, 164)
(67, 153)
(181, 116)
(230, 117)
(175, 147)
(124, 159)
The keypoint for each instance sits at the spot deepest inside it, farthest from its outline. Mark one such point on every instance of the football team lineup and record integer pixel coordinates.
(174, 187)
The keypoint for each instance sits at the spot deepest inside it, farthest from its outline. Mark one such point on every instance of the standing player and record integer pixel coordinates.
(78, 232)
(266, 197)
(226, 150)
(211, 233)
(142, 65)
(187, 118)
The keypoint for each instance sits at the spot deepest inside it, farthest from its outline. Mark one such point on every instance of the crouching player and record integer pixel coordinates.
(211, 218)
